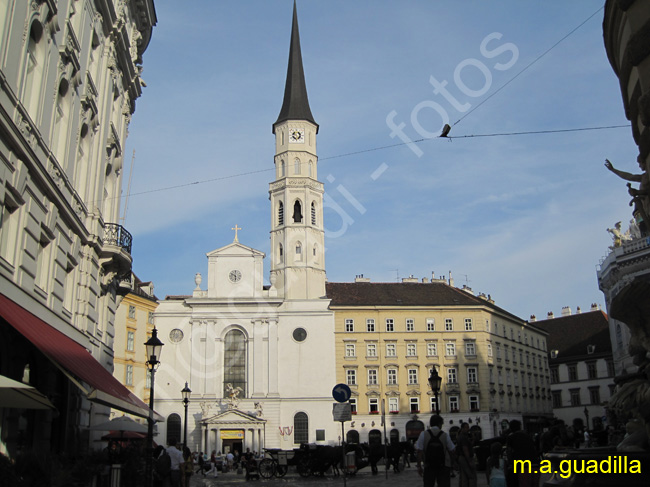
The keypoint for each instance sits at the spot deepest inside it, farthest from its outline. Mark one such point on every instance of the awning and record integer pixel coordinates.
(75, 361)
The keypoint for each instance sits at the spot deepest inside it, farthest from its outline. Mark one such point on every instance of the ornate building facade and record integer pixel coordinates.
(389, 336)
(69, 79)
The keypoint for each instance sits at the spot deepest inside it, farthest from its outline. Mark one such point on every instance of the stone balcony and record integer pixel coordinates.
(115, 256)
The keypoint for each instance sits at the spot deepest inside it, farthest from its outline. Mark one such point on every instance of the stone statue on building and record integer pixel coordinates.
(618, 236)
(641, 196)
(233, 396)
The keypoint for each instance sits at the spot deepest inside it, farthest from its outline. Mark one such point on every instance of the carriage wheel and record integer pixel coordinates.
(266, 468)
(281, 470)
(304, 469)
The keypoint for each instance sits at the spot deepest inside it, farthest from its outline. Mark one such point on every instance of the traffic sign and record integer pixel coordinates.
(341, 393)
(342, 411)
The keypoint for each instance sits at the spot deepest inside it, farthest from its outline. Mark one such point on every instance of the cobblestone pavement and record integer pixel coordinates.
(364, 478)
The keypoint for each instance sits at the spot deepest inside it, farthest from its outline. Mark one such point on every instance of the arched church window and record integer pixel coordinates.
(280, 214)
(313, 213)
(297, 212)
(296, 165)
(173, 427)
(281, 253)
(298, 251)
(234, 362)
(300, 428)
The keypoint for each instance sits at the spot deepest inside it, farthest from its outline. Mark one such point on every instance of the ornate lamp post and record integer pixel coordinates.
(435, 381)
(186, 400)
(154, 347)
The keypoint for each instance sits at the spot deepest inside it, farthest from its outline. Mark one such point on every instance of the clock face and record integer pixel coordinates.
(234, 276)
(176, 335)
(296, 135)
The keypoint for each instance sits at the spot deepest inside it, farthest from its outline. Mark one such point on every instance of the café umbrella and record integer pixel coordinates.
(14, 394)
(119, 426)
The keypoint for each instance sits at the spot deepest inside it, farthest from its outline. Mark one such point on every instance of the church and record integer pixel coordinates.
(259, 359)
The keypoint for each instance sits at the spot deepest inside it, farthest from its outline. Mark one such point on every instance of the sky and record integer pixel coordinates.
(521, 217)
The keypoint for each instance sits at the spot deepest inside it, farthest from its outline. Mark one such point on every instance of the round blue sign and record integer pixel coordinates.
(341, 392)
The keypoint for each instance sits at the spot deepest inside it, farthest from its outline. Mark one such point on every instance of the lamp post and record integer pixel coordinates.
(154, 347)
(435, 381)
(186, 400)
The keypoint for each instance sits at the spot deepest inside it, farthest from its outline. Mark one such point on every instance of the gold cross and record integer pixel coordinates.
(236, 228)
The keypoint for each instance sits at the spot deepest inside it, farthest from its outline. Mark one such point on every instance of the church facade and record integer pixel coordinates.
(259, 359)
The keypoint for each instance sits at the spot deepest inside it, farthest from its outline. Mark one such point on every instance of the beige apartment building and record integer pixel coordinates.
(389, 337)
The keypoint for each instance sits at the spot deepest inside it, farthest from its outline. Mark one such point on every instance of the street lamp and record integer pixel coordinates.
(435, 381)
(154, 347)
(186, 400)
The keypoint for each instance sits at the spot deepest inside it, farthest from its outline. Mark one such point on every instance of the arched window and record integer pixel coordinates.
(394, 436)
(234, 362)
(300, 428)
(313, 213)
(173, 428)
(374, 437)
(280, 214)
(298, 251)
(296, 165)
(281, 253)
(297, 212)
(352, 436)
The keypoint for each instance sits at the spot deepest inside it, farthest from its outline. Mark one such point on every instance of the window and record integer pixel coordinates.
(234, 361)
(280, 213)
(35, 65)
(313, 213)
(498, 352)
(413, 376)
(370, 325)
(491, 372)
(415, 404)
(300, 429)
(432, 349)
(391, 350)
(431, 324)
(298, 250)
(373, 405)
(372, 377)
(129, 375)
(468, 324)
(473, 403)
(575, 397)
(573, 372)
(351, 375)
(390, 324)
(132, 312)
(557, 399)
(150, 317)
(594, 395)
(449, 324)
(173, 427)
(392, 376)
(350, 350)
(450, 349)
(281, 252)
(472, 376)
(452, 378)
(9, 230)
(591, 370)
(296, 166)
(453, 403)
(489, 349)
(353, 405)
(434, 404)
(130, 341)
(555, 375)
(349, 325)
(410, 324)
(297, 212)
(411, 350)
(470, 348)
(371, 350)
(393, 404)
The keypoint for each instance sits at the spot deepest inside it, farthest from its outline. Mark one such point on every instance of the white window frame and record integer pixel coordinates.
(373, 377)
(454, 403)
(350, 350)
(431, 324)
(393, 404)
(412, 376)
(391, 376)
(411, 350)
(351, 377)
(474, 404)
(371, 350)
(470, 348)
(390, 325)
(450, 349)
(452, 375)
(349, 325)
(410, 324)
(414, 404)
(373, 404)
(469, 325)
(391, 350)
(432, 349)
(472, 375)
(449, 324)
(370, 325)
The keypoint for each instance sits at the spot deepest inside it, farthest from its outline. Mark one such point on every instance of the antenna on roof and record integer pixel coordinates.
(128, 188)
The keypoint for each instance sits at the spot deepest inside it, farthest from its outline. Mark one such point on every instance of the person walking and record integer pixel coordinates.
(213, 464)
(176, 462)
(434, 458)
(520, 446)
(466, 460)
(495, 466)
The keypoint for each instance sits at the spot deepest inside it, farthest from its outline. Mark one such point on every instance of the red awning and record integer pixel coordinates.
(75, 361)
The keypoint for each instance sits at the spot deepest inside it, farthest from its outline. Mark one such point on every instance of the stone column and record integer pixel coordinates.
(272, 360)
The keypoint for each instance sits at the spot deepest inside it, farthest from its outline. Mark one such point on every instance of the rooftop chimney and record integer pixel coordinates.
(451, 279)
(550, 315)
(424, 279)
(578, 311)
(468, 289)
(410, 279)
(566, 311)
(360, 278)
(594, 307)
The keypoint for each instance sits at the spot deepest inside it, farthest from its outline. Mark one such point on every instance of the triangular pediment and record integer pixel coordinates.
(234, 249)
(233, 416)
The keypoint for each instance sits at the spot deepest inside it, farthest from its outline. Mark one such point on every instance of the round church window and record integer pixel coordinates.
(176, 335)
(299, 334)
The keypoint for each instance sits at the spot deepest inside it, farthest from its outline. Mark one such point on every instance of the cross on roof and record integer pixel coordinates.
(236, 228)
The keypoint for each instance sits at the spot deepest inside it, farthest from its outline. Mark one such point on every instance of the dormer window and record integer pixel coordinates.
(591, 349)
(554, 353)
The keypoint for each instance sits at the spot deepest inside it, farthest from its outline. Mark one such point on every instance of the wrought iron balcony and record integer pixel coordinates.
(117, 235)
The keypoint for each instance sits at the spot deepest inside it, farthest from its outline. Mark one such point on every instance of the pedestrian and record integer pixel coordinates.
(520, 446)
(466, 461)
(162, 467)
(187, 468)
(230, 461)
(213, 464)
(495, 466)
(176, 462)
(435, 450)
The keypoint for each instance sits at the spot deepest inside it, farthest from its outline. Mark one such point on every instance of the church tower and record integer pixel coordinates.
(297, 234)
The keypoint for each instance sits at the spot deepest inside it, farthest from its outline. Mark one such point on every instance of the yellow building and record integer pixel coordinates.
(389, 337)
(133, 325)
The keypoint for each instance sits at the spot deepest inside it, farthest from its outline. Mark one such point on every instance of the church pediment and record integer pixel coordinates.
(235, 249)
(234, 417)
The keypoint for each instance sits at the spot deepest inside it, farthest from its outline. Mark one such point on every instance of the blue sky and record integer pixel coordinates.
(521, 217)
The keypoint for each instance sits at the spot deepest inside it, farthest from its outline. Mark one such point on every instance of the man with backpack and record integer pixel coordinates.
(435, 450)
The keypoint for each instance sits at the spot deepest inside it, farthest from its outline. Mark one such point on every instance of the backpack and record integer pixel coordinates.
(163, 465)
(434, 455)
